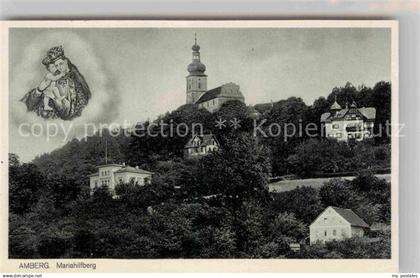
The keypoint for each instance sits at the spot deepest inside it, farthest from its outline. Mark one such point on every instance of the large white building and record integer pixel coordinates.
(336, 224)
(113, 174)
(197, 92)
(347, 124)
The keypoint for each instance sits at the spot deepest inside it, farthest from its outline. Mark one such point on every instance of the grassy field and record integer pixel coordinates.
(287, 185)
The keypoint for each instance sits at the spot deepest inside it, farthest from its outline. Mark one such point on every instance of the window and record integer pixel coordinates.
(199, 84)
(339, 135)
(335, 126)
(96, 183)
(325, 218)
(325, 233)
(334, 232)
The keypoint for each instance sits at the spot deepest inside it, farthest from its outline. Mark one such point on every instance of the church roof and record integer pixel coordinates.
(209, 95)
(229, 90)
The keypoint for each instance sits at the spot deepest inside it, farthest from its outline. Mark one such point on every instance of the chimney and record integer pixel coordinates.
(137, 167)
(123, 164)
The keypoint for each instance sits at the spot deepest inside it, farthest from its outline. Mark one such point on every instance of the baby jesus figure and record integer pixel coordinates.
(51, 91)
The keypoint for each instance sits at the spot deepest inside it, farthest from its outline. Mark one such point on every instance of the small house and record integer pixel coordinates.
(336, 224)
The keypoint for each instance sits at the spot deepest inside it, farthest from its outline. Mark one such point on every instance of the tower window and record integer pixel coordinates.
(199, 84)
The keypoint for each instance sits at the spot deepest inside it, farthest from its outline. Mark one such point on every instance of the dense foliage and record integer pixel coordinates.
(210, 207)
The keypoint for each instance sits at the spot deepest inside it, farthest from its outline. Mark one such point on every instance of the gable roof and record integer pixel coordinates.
(228, 90)
(325, 116)
(335, 106)
(368, 112)
(351, 217)
(205, 140)
(132, 170)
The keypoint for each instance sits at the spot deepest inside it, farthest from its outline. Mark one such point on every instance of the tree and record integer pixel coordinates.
(320, 156)
(25, 182)
(239, 170)
(303, 202)
(336, 192)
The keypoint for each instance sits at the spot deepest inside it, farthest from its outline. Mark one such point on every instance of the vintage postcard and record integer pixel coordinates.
(199, 146)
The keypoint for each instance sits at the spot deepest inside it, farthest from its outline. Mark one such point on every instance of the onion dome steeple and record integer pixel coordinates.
(196, 79)
(196, 67)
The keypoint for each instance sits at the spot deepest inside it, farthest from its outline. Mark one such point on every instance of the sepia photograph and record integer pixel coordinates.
(201, 141)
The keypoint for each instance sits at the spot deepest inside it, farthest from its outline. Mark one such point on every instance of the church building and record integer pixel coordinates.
(197, 92)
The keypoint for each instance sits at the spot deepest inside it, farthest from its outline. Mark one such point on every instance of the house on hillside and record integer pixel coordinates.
(113, 174)
(336, 224)
(349, 123)
(197, 92)
(201, 145)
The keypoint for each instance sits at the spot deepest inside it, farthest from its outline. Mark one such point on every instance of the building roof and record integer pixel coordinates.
(132, 170)
(325, 116)
(351, 217)
(335, 106)
(209, 95)
(229, 90)
(263, 107)
(109, 164)
(205, 140)
(369, 113)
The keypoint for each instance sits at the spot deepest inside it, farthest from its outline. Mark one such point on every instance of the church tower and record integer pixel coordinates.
(196, 80)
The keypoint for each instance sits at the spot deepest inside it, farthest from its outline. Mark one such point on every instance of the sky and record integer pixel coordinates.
(139, 73)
